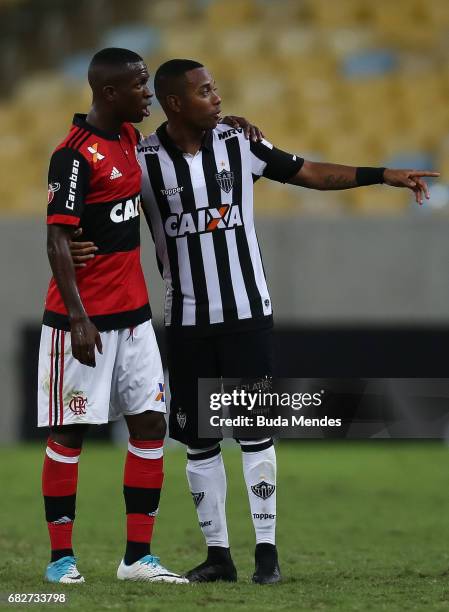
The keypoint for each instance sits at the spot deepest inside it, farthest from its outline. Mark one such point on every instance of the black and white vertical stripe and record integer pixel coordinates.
(213, 275)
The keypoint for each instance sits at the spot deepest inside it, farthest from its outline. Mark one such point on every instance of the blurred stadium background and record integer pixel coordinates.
(359, 280)
(353, 81)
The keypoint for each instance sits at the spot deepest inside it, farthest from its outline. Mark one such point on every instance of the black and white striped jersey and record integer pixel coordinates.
(200, 211)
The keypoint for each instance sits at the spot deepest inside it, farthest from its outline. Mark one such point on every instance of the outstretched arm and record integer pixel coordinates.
(324, 176)
(317, 175)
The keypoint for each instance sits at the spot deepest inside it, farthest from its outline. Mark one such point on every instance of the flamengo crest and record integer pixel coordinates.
(78, 405)
(52, 189)
(225, 179)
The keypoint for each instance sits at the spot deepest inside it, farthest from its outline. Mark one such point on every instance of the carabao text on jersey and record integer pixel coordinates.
(73, 178)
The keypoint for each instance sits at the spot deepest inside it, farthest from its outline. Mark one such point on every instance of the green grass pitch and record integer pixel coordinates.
(361, 526)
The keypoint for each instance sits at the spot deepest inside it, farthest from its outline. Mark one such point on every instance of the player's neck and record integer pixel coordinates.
(102, 121)
(185, 137)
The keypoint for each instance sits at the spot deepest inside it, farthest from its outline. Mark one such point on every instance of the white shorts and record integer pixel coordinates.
(128, 378)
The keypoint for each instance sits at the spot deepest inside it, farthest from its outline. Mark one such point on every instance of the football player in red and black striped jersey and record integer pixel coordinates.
(99, 358)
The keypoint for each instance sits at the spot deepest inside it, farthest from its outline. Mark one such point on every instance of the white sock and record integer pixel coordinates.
(207, 480)
(259, 470)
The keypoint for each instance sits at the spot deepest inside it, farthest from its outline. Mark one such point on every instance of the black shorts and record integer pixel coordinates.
(235, 355)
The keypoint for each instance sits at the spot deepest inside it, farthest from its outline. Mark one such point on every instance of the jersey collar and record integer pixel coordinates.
(80, 121)
(170, 146)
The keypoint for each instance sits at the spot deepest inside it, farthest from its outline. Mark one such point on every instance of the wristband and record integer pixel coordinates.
(369, 176)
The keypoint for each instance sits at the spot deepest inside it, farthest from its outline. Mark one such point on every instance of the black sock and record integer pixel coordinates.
(266, 551)
(135, 551)
(218, 554)
(62, 552)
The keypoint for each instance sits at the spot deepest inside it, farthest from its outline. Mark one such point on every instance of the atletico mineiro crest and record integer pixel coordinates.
(225, 179)
(181, 417)
(263, 489)
(160, 397)
(96, 155)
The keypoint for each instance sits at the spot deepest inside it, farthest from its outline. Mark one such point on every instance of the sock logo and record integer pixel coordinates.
(197, 498)
(205, 524)
(263, 516)
(263, 489)
(63, 520)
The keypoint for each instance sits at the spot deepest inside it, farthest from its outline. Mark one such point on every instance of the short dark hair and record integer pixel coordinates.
(170, 71)
(109, 58)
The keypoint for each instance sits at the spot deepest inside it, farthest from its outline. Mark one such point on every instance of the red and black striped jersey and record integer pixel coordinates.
(94, 182)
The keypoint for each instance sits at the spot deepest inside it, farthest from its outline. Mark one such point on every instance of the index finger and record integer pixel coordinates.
(424, 173)
(89, 356)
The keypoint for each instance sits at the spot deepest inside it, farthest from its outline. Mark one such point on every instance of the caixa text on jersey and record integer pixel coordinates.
(123, 211)
(203, 220)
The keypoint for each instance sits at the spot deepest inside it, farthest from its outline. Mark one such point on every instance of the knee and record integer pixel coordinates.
(147, 426)
(160, 427)
(69, 436)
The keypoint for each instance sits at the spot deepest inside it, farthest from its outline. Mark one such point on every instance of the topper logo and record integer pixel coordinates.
(172, 191)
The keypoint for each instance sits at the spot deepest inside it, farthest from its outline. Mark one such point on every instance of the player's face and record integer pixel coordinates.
(200, 102)
(133, 97)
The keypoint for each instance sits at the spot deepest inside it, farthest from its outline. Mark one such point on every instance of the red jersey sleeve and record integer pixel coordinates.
(68, 184)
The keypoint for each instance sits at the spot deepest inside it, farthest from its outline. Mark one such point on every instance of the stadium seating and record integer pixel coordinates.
(353, 81)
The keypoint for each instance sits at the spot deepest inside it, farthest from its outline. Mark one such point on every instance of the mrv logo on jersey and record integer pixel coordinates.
(148, 149)
(229, 133)
(123, 211)
(203, 220)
